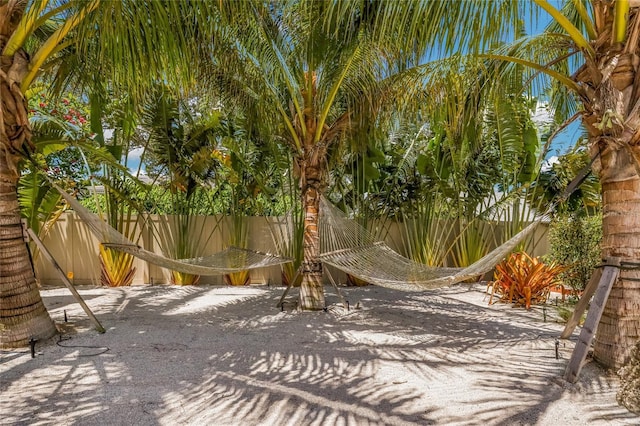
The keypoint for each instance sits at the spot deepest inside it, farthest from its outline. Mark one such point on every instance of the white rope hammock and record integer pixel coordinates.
(354, 250)
(230, 260)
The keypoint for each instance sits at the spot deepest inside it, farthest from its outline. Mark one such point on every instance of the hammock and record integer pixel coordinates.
(352, 249)
(230, 260)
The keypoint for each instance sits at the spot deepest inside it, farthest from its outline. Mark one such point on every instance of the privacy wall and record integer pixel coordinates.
(75, 248)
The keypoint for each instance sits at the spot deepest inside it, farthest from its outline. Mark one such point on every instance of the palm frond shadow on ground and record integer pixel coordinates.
(228, 355)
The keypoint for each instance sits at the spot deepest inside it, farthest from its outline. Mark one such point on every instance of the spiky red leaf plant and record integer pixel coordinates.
(524, 280)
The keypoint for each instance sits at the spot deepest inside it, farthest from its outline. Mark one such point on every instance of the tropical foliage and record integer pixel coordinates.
(58, 43)
(328, 82)
(60, 134)
(575, 243)
(524, 280)
(325, 74)
(551, 185)
(178, 154)
(120, 208)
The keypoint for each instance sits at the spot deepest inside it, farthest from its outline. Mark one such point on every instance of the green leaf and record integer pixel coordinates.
(51, 147)
(573, 32)
(115, 151)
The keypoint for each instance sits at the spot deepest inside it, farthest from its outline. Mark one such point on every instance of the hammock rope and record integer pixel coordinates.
(230, 260)
(348, 246)
(344, 244)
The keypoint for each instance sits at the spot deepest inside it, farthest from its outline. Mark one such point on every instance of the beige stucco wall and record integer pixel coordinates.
(76, 249)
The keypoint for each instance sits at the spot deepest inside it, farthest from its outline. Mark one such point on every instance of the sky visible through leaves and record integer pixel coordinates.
(562, 143)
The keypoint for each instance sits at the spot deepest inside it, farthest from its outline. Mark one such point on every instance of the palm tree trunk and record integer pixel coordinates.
(311, 289)
(619, 328)
(22, 314)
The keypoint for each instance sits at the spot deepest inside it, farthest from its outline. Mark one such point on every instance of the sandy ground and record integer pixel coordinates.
(223, 355)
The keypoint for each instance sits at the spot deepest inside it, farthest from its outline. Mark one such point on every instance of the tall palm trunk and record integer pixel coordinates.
(22, 314)
(611, 115)
(311, 290)
(619, 328)
(312, 170)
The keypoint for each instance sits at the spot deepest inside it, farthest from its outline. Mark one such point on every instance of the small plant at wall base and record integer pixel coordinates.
(524, 280)
(116, 268)
(565, 311)
(575, 243)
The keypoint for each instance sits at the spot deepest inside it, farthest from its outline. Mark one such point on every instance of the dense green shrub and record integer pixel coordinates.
(575, 243)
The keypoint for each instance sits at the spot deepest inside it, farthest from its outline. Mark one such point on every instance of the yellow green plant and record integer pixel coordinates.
(287, 232)
(116, 267)
(524, 280)
(238, 237)
(181, 278)
(238, 278)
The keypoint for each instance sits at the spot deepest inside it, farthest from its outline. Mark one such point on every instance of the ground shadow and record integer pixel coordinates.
(204, 355)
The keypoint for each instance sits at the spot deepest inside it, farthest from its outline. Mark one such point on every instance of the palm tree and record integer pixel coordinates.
(308, 79)
(181, 138)
(320, 69)
(318, 73)
(34, 37)
(587, 60)
(589, 54)
(23, 315)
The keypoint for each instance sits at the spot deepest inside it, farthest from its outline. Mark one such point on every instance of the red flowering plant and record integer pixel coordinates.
(59, 125)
